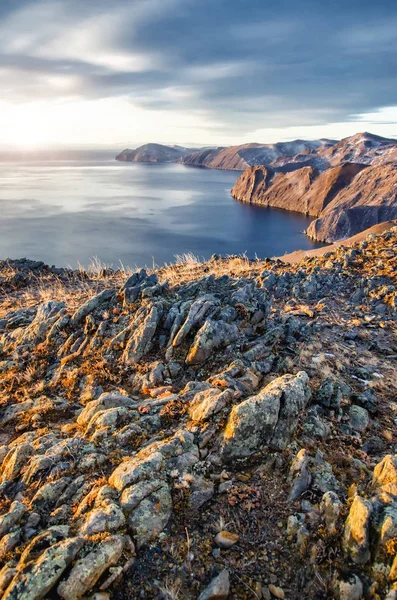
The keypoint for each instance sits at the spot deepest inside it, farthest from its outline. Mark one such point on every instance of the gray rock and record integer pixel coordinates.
(209, 402)
(12, 518)
(136, 469)
(88, 570)
(210, 337)
(267, 419)
(150, 517)
(145, 326)
(88, 307)
(359, 418)
(197, 313)
(351, 589)
(34, 582)
(331, 508)
(218, 589)
(109, 517)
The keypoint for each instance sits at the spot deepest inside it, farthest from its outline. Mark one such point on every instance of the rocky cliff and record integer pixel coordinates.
(209, 430)
(347, 199)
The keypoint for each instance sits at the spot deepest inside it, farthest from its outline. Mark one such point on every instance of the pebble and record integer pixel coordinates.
(277, 592)
(225, 539)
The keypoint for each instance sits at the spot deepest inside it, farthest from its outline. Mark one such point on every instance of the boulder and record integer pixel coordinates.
(150, 517)
(267, 419)
(33, 582)
(88, 570)
(210, 337)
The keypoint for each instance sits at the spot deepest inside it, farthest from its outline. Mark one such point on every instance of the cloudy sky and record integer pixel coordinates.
(123, 72)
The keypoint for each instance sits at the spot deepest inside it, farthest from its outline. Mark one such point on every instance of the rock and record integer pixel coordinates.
(359, 418)
(133, 470)
(86, 571)
(352, 589)
(132, 496)
(198, 311)
(267, 419)
(331, 508)
(14, 461)
(277, 592)
(145, 326)
(218, 589)
(329, 393)
(12, 518)
(212, 336)
(208, 403)
(97, 301)
(108, 518)
(201, 491)
(225, 539)
(151, 516)
(385, 474)
(356, 533)
(33, 582)
(299, 475)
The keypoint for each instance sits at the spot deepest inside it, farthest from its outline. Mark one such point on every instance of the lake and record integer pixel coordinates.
(66, 212)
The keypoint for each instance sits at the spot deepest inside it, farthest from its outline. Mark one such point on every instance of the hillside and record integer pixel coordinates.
(209, 430)
(153, 153)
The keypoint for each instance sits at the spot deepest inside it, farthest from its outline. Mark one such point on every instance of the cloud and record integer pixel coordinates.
(244, 66)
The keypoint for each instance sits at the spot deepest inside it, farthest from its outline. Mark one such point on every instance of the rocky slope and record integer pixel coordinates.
(347, 199)
(216, 430)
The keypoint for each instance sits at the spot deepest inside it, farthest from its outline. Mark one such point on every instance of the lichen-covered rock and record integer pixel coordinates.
(356, 532)
(12, 518)
(92, 304)
(144, 329)
(150, 517)
(88, 570)
(131, 471)
(267, 419)
(331, 508)
(208, 403)
(210, 337)
(34, 581)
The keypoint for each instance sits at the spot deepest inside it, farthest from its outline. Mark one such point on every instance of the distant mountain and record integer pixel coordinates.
(153, 153)
(290, 155)
(365, 148)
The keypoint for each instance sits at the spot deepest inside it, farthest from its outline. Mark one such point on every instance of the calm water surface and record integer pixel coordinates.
(67, 212)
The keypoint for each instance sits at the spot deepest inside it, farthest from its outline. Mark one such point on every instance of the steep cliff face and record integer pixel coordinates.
(347, 198)
(370, 198)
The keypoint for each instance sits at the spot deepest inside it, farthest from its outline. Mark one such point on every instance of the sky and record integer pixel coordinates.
(122, 73)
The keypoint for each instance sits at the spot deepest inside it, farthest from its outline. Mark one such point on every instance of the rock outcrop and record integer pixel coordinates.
(206, 431)
(347, 199)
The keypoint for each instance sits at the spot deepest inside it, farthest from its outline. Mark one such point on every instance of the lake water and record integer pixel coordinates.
(66, 212)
